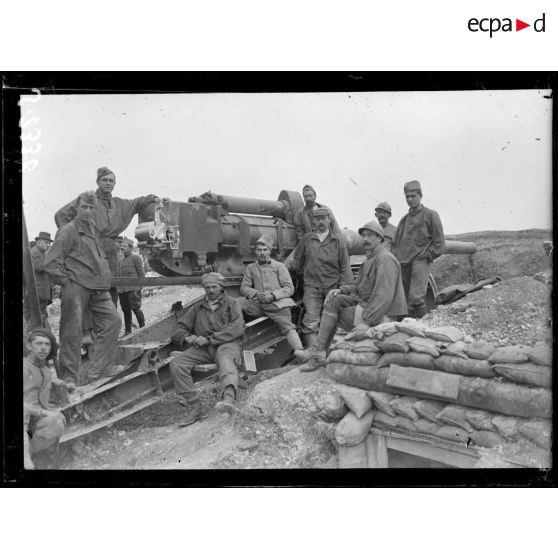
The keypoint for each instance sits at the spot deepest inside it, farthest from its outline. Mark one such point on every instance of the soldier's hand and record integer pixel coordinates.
(202, 341)
(267, 298)
(190, 339)
(260, 297)
(330, 295)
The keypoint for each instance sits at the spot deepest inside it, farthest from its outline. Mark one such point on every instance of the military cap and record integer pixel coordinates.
(103, 171)
(89, 197)
(374, 227)
(44, 236)
(308, 187)
(212, 278)
(266, 240)
(321, 211)
(384, 206)
(412, 186)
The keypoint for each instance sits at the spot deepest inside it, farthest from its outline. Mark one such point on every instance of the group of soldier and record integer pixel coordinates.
(391, 283)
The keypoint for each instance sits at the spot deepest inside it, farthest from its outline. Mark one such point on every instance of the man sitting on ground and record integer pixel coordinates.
(43, 426)
(267, 287)
(376, 296)
(212, 329)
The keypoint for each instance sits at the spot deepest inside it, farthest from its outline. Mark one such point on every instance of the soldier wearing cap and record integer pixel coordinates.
(212, 329)
(267, 288)
(376, 296)
(42, 282)
(304, 217)
(417, 242)
(130, 265)
(78, 262)
(383, 214)
(112, 216)
(323, 258)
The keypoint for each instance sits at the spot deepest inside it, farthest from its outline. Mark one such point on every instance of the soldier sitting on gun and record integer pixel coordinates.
(376, 296)
(267, 287)
(43, 426)
(212, 329)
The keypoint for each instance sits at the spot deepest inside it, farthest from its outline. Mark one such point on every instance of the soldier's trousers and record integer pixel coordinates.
(44, 431)
(131, 302)
(280, 316)
(75, 300)
(414, 277)
(228, 359)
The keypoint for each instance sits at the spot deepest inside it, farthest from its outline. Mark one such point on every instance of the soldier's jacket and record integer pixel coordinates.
(37, 379)
(112, 217)
(324, 264)
(77, 254)
(389, 231)
(419, 235)
(223, 325)
(43, 283)
(271, 277)
(130, 266)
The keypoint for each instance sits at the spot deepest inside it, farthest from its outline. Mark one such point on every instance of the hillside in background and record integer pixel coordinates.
(503, 254)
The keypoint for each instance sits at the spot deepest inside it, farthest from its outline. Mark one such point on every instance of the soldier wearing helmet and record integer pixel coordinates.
(383, 214)
(417, 242)
(376, 296)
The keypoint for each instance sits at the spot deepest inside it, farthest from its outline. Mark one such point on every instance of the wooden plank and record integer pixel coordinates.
(376, 451)
(424, 382)
(352, 457)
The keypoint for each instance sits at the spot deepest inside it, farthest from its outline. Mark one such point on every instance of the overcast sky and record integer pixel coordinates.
(483, 157)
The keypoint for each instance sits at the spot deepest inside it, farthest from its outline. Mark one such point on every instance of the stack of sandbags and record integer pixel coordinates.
(436, 382)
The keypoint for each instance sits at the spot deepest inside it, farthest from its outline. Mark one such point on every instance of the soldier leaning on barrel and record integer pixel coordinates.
(323, 258)
(417, 242)
(212, 329)
(267, 287)
(376, 296)
(130, 265)
(77, 261)
(304, 217)
(112, 216)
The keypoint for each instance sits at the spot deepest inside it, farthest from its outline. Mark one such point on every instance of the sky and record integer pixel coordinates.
(483, 157)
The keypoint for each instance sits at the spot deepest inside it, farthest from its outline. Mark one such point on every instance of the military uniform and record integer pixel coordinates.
(130, 297)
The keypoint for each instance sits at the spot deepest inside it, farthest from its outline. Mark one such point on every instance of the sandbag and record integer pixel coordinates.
(423, 345)
(404, 406)
(429, 409)
(540, 355)
(381, 401)
(351, 430)
(453, 433)
(537, 431)
(356, 335)
(418, 360)
(396, 343)
(384, 420)
(332, 407)
(426, 426)
(356, 399)
(479, 393)
(342, 345)
(364, 359)
(405, 423)
(479, 350)
(455, 416)
(468, 367)
(452, 349)
(411, 327)
(508, 427)
(508, 355)
(480, 420)
(387, 328)
(486, 439)
(448, 334)
(352, 457)
(526, 373)
(365, 346)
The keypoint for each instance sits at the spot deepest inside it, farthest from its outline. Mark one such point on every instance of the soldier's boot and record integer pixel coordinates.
(127, 324)
(294, 341)
(197, 412)
(140, 317)
(228, 403)
(420, 311)
(328, 326)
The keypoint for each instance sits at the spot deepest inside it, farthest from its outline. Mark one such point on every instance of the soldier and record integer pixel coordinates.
(78, 262)
(303, 219)
(42, 282)
(324, 260)
(212, 329)
(376, 296)
(130, 265)
(267, 288)
(43, 426)
(383, 213)
(112, 216)
(417, 242)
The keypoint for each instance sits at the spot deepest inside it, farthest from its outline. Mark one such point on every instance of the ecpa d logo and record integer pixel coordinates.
(492, 25)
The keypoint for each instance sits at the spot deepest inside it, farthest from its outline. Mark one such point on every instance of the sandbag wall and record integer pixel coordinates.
(437, 384)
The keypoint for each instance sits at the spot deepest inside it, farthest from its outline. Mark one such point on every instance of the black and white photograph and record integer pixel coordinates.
(356, 278)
